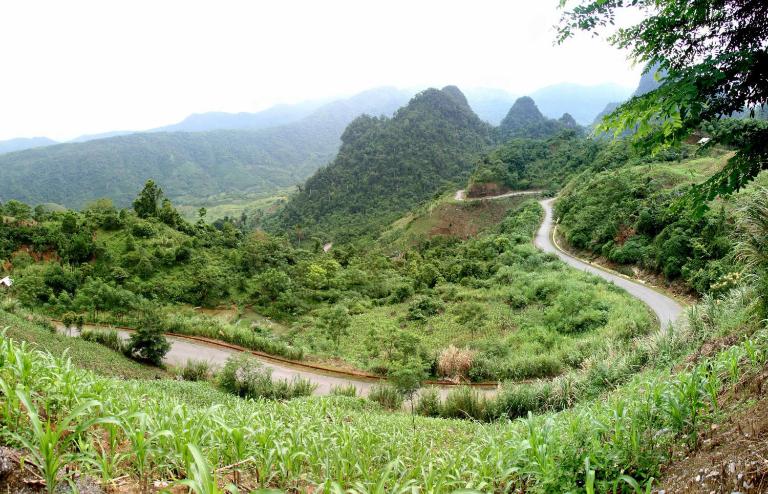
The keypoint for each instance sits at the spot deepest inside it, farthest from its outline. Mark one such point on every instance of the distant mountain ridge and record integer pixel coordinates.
(525, 119)
(580, 101)
(187, 164)
(490, 104)
(271, 117)
(648, 82)
(22, 143)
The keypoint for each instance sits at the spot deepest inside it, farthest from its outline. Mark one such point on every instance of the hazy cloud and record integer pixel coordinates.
(77, 67)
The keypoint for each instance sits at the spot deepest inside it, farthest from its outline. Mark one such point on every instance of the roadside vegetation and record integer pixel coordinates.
(631, 216)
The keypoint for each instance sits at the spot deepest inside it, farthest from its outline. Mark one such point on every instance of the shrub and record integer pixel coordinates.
(455, 363)
(469, 314)
(344, 390)
(195, 370)
(387, 396)
(516, 298)
(109, 338)
(9, 304)
(245, 376)
(517, 400)
(575, 312)
(429, 402)
(148, 343)
(423, 307)
(400, 293)
(142, 229)
(463, 403)
(297, 387)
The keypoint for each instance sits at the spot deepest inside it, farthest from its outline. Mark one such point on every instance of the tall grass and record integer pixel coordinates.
(387, 396)
(107, 337)
(339, 444)
(175, 321)
(239, 335)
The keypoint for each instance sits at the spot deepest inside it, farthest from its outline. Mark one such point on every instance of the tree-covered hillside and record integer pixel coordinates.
(523, 163)
(627, 215)
(525, 120)
(386, 166)
(199, 164)
(194, 165)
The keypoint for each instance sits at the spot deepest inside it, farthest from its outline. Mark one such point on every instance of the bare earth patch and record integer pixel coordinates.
(732, 456)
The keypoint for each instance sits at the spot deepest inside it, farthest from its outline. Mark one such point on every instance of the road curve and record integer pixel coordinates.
(667, 310)
(461, 195)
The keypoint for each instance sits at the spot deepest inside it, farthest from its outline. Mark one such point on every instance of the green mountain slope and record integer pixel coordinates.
(523, 163)
(190, 165)
(198, 164)
(525, 120)
(386, 166)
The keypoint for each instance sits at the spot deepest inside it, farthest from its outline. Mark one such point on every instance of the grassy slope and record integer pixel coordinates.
(84, 354)
(447, 217)
(232, 204)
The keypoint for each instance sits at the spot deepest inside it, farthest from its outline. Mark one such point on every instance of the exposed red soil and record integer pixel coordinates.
(486, 190)
(465, 221)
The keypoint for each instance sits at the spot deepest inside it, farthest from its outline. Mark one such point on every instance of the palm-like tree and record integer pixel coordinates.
(751, 247)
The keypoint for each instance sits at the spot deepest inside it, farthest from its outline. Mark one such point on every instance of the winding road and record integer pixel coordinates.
(185, 348)
(667, 309)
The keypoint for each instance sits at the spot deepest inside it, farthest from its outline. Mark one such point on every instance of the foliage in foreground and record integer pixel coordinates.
(712, 59)
(337, 443)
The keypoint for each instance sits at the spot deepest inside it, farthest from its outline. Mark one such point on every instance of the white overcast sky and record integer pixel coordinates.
(75, 67)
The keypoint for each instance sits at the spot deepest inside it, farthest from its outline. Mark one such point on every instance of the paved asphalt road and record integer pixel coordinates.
(666, 308)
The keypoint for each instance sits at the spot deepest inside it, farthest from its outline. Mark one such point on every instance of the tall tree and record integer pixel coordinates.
(147, 204)
(714, 57)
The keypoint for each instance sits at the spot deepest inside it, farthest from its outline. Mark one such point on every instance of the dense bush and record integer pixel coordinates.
(148, 343)
(245, 376)
(109, 338)
(387, 396)
(195, 370)
(626, 215)
(423, 307)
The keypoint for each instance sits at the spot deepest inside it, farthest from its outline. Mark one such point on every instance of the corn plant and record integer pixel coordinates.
(139, 432)
(49, 442)
(201, 479)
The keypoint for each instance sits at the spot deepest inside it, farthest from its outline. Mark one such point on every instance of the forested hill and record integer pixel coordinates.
(525, 120)
(199, 164)
(193, 165)
(386, 166)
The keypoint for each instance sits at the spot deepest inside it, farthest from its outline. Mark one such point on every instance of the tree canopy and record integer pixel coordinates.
(715, 63)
